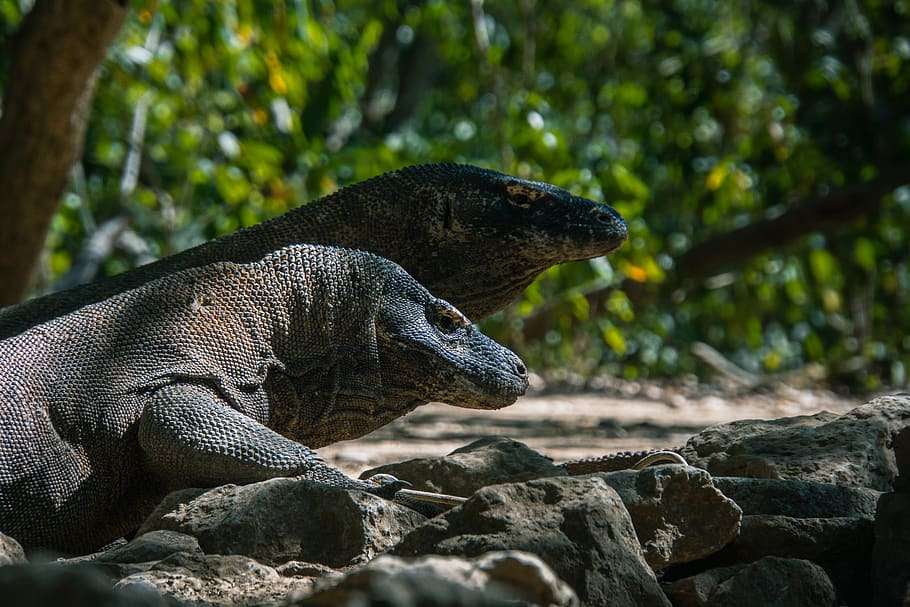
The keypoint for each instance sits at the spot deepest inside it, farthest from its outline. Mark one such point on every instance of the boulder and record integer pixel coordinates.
(11, 553)
(215, 580)
(798, 499)
(442, 580)
(891, 554)
(487, 461)
(766, 582)
(81, 585)
(304, 569)
(842, 546)
(151, 546)
(901, 446)
(285, 519)
(678, 514)
(576, 525)
(853, 449)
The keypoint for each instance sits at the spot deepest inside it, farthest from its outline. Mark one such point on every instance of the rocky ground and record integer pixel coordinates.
(570, 422)
(791, 507)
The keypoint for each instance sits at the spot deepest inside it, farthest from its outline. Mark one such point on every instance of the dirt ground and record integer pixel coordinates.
(578, 425)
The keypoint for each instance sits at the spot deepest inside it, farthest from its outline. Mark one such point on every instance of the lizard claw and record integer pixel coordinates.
(386, 485)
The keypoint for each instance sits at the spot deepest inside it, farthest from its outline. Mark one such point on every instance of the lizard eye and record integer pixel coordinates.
(447, 319)
(524, 196)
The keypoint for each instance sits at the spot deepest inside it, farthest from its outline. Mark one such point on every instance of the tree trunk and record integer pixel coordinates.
(55, 59)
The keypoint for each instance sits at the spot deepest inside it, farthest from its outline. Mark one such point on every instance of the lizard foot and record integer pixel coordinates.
(386, 485)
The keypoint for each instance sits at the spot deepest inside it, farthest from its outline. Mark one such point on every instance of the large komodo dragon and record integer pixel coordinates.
(473, 237)
(220, 374)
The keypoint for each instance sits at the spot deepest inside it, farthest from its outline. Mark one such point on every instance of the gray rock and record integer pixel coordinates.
(81, 585)
(304, 569)
(11, 553)
(891, 554)
(901, 446)
(768, 582)
(678, 514)
(440, 580)
(194, 580)
(487, 461)
(151, 546)
(286, 519)
(842, 546)
(853, 449)
(696, 590)
(576, 525)
(796, 498)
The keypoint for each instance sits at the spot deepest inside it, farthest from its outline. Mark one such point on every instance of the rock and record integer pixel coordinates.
(303, 569)
(678, 514)
(151, 546)
(796, 498)
(891, 554)
(487, 461)
(11, 553)
(696, 590)
(51, 585)
(440, 580)
(767, 582)
(851, 449)
(901, 448)
(576, 525)
(842, 546)
(285, 519)
(194, 579)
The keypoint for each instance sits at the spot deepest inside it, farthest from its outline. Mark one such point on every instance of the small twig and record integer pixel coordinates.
(95, 249)
(480, 27)
(433, 498)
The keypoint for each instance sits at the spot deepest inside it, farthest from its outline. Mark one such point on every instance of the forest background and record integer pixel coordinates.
(759, 151)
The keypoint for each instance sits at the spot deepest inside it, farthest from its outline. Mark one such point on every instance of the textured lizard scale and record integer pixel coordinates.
(472, 236)
(612, 462)
(220, 374)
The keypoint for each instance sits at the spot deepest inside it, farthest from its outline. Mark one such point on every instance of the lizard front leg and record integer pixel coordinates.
(190, 437)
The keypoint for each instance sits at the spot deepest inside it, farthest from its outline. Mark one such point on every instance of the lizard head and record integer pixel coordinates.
(478, 237)
(429, 351)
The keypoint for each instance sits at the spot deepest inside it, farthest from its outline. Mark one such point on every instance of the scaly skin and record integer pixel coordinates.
(221, 374)
(473, 237)
(623, 460)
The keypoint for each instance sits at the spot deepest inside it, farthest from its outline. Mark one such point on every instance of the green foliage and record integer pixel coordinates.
(691, 117)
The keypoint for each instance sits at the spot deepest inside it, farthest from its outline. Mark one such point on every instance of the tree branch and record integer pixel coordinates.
(825, 214)
(51, 82)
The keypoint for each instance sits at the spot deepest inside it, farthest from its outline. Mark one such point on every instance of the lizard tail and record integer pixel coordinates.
(625, 460)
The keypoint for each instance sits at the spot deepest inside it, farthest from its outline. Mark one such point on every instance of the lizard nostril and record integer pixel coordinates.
(520, 369)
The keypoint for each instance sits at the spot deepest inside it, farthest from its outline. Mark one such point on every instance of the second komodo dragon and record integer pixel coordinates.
(221, 374)
(473, 237)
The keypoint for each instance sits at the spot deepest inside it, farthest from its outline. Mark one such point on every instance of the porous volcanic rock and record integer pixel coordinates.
(853, 449)
(891, 554)
(285, 519)
(216, 580)
(796, 498)
(11, 553)
(678, 514)
(487, 461)
(767, 582)
(576, 525)
(80, 585)
(151, 546)
(841, 545)
(448, 581)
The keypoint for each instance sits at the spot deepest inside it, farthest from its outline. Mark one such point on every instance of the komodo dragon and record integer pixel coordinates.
(220, 374)
(473, 237)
